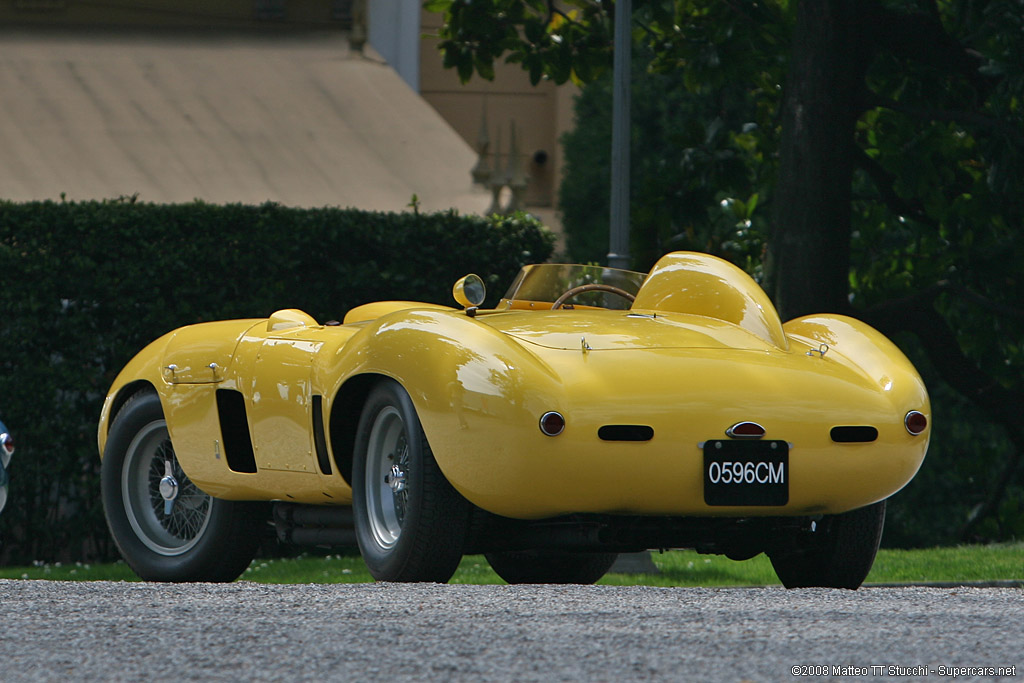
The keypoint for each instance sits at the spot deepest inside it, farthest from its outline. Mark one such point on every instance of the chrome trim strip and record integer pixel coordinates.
(731, 431)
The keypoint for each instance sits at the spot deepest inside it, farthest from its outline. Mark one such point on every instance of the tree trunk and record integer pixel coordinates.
(809, 250)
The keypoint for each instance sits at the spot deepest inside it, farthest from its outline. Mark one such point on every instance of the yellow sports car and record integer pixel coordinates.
(593, 411)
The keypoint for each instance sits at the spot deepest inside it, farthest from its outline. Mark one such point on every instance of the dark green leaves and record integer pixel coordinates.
(548, 41)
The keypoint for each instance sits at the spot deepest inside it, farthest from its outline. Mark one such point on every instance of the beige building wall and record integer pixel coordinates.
(179, 13)
(541, 114)
(223, 116)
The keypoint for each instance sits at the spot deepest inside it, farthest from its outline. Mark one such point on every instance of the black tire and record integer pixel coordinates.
(839, 553)
(410, 523)
(550, 566)
(191, 537)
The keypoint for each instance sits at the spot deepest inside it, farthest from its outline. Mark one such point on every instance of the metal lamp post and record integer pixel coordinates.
(618, 242)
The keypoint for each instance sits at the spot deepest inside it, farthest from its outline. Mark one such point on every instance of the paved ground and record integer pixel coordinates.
(244, 631)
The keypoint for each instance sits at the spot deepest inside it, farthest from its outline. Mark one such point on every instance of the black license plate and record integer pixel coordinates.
(746, 472)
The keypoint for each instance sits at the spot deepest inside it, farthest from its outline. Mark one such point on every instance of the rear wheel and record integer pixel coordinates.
(550, 566)
(166, 528)
(410, 523)
(838, 554)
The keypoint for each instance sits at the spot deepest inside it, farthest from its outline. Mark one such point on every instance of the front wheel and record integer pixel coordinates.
(166, 528)
(410, 523)
(838, 554)
(550, 566)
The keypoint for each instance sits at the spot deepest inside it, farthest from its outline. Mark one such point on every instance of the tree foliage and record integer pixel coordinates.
(696, 164)
(873, 149)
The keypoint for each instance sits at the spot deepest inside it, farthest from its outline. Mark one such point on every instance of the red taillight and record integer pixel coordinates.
(8, 443)
(745, 430)
(915, 422)
(552, 423)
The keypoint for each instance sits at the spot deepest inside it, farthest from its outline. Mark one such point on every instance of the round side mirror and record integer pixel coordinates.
(469, 291)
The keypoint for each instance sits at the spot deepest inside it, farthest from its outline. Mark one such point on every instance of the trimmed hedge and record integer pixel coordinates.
(84, 286)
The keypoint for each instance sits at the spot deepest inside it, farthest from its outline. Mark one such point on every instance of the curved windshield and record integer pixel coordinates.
(545, 283)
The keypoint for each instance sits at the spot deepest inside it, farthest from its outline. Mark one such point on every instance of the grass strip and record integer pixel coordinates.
(976, 563)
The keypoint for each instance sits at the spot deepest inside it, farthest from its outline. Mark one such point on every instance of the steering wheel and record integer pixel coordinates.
(591, 288)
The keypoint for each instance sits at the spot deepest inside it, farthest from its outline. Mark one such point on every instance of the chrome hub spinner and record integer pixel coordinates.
(168, 488)
(395, 479)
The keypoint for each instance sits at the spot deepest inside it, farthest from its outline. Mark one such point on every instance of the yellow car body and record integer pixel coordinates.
(642, 391)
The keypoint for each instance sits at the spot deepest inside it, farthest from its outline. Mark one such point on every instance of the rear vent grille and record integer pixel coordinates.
(861, 434)
(625, 433)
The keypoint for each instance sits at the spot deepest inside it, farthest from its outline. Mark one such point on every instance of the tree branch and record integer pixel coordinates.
(885, 183)
(921, 38)
(980, 120)
(553, 9)
(916, 314)
(982, 301)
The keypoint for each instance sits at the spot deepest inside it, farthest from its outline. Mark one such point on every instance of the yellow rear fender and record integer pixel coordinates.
(476, 381)
(845, 340)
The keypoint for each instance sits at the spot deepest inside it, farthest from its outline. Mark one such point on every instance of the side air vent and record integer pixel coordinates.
(234, 427)
(319, 438)
(860, 434)
(625, 433)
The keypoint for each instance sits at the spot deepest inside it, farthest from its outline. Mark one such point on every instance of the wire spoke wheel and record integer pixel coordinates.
(387, 477)
(410, 523)
(165, 509)
(165, 526)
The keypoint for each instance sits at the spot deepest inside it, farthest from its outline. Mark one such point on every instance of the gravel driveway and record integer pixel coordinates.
(105, 631)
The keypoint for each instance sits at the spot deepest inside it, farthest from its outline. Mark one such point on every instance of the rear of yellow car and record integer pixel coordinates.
(642, 412)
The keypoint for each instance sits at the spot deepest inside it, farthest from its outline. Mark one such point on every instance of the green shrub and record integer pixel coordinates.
(84, 286)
